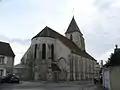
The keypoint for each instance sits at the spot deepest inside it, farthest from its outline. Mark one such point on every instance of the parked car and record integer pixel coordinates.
(10, 78)
(1, 78)
(96, 80)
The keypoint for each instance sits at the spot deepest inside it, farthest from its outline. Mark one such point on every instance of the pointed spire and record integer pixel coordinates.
(73, 27)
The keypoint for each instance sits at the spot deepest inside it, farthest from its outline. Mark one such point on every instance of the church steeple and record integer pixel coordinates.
(73, 33)
(73, 27)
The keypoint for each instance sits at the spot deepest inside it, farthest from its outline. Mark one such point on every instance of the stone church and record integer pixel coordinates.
(54, 57)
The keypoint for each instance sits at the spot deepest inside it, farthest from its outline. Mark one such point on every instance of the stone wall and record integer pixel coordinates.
(83, 68)
(77, 39)
(72, 66)
(61, 53)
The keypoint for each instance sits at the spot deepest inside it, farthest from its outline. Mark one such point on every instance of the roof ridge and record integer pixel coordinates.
(67, 42)
(4, 42)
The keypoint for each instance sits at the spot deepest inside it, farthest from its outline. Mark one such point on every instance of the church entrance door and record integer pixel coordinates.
(55, 76)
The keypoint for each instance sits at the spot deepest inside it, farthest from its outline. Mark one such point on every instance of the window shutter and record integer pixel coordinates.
(5, 60)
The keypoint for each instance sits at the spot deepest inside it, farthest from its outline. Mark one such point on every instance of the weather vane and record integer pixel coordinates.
(116, 46)
(73, 11)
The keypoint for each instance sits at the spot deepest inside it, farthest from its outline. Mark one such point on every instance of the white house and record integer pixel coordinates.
(6, 59)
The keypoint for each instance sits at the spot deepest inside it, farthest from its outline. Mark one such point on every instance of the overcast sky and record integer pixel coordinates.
(98, 20)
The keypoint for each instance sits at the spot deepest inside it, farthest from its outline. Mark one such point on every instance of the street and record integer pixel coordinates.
(47, 86)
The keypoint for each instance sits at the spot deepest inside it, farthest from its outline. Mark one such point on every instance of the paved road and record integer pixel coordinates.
(47, 86)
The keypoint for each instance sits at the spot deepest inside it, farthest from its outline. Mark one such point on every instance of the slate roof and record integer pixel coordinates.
(48, 32)
(73, 27)
(18, 66)
(5, 49)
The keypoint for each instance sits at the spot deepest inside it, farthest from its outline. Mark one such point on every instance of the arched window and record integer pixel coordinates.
(52, 52)
(35, 53)
(43, 51)
(71, 37)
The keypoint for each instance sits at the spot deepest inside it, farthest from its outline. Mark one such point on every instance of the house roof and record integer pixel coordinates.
(48, 32)
(6, 50)
(73, 27)
(18, 66)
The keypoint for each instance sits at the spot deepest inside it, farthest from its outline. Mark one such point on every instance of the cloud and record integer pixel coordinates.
(6, 39)
(98, 21)
(19, 50)
(105, 55)
(103, 28)
(103, 4)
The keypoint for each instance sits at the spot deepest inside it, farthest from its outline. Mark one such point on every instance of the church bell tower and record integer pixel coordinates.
(73, 33)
